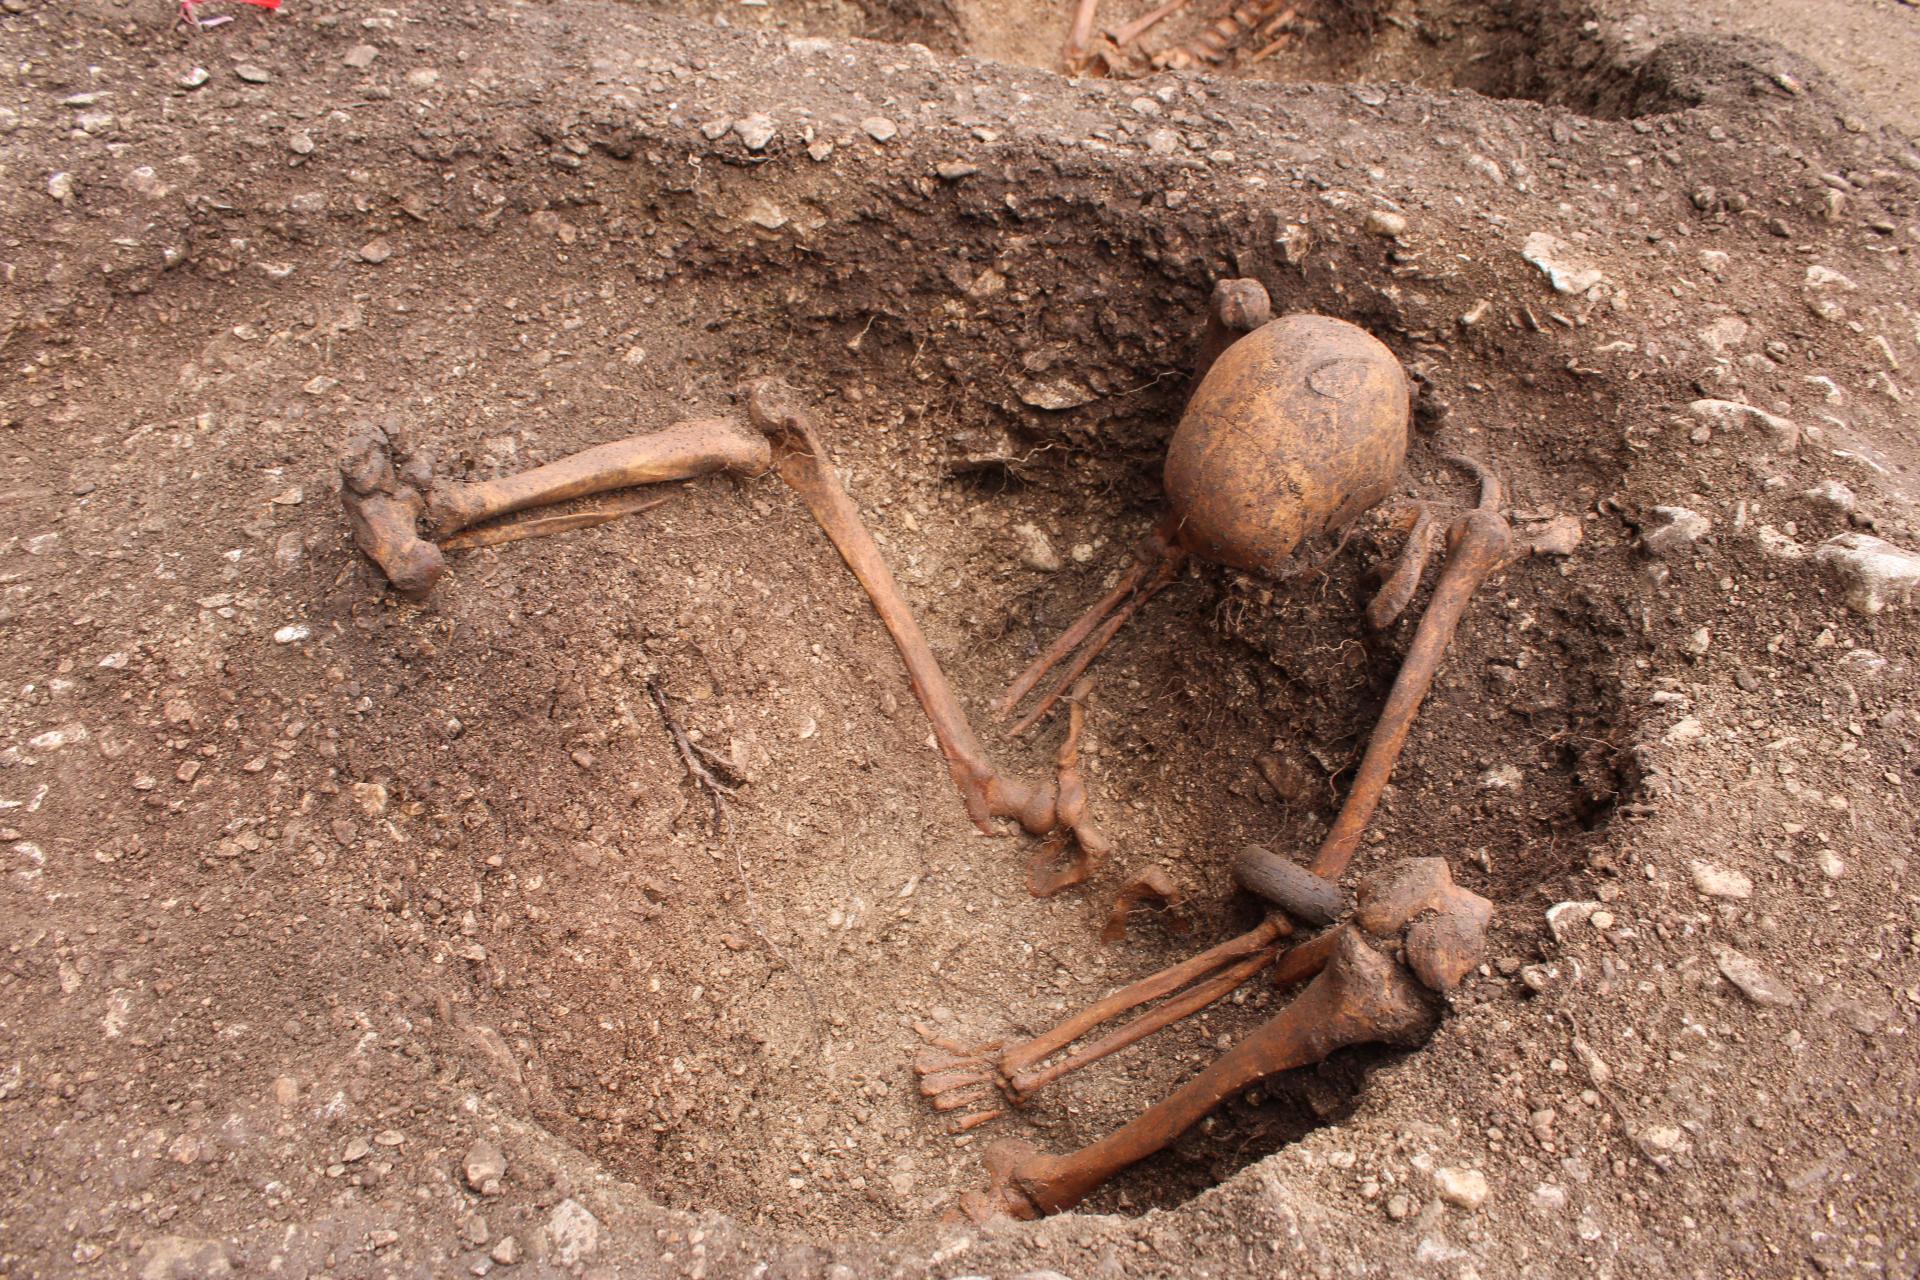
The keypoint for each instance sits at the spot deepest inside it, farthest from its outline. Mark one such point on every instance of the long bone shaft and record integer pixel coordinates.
(1048, 809)
(1257, 941)
(953, 1079)
(1073, 55)
(1360, 997)
(385, 506)
(679, 452)
(1479, 544)
(1187, 1003)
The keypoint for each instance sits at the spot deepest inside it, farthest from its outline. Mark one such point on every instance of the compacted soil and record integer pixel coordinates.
(352, 936)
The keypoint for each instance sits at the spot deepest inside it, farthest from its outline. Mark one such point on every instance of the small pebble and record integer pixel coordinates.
(195, 78)
(252, 74)
(755, 132)
(360, 57)
(1673, 529)
(1753, 982)
(485, 1163)
(1381, 222)
(1716, 881)
(376, 251)
(292, 633)
(879, 128)
(1463, 1188)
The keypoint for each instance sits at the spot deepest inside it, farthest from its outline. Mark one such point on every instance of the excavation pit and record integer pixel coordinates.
(724, 1013)
(989, 287)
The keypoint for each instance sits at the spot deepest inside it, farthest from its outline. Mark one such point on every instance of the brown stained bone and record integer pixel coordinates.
(1479, 544)
(1074, 58)
(1157, 565)
(1237, 308)
(678, 452)
(1297, 429)
(383, 512)
(1360, 997)
(493, 535)
(1448, 934)
(1123, 36)
(1396, 592)
(1056, 809)
(1075, 848)
(950, 1077)
(1155, 886)
(1221, 35)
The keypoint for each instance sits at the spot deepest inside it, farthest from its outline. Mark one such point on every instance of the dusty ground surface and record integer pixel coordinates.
(308, 891)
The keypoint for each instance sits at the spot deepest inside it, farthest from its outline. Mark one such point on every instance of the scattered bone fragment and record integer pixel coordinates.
(1153, 886)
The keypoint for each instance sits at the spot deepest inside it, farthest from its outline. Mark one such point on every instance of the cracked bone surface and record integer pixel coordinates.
(1359, 997)
(1293, 431)
(384, 511)
(385, 508)
(1055, 810)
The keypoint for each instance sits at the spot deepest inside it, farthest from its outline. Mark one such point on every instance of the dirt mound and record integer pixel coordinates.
(311, 890)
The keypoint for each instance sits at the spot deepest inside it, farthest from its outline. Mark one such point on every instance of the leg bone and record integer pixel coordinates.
(1056, 809)
(679, 452)
(1359, 997)
(1479, 544)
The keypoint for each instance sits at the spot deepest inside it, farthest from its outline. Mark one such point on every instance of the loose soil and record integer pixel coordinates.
(308, 890)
